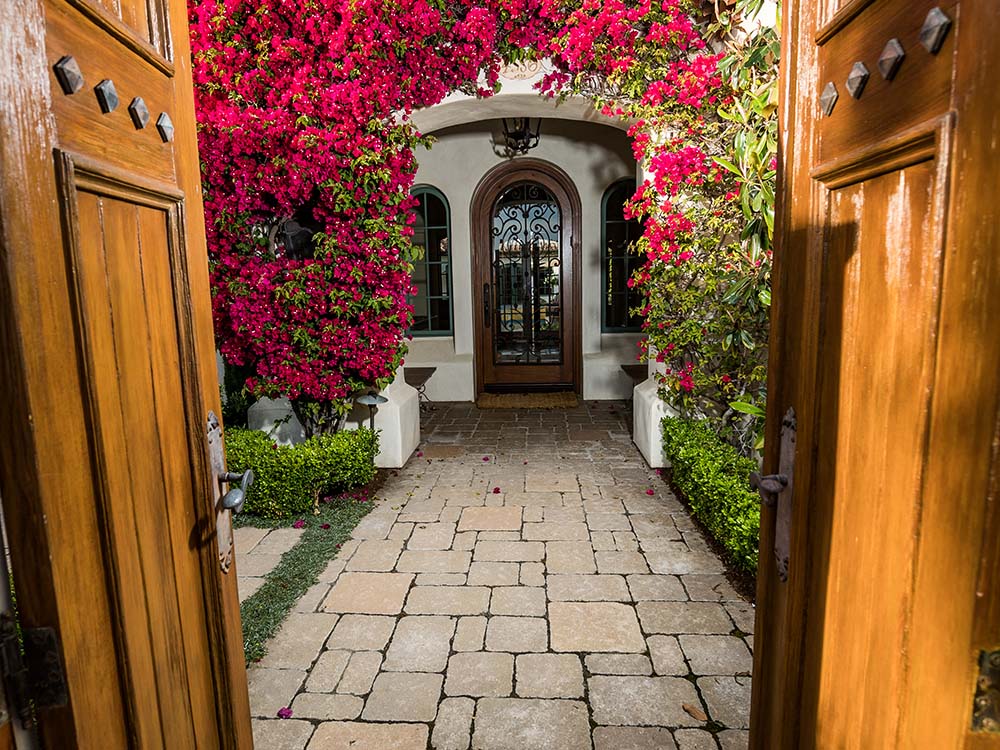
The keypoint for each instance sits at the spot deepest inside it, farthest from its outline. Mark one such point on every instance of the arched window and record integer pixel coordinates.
(432, 314)
(618, 262)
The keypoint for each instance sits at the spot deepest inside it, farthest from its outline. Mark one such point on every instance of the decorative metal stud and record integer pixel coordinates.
(165, 127)
(107, 96)
(139, 113)
(858, 79)
(891, 59)
(68, 74)
(828, 99)
(935, 29)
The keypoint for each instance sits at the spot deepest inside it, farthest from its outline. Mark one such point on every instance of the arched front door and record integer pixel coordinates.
(526, 285)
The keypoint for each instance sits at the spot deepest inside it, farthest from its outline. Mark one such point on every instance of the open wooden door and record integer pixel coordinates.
(884, 386)
(107, 379)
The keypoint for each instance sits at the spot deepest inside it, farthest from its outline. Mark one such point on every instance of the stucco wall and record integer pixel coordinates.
(594, 156)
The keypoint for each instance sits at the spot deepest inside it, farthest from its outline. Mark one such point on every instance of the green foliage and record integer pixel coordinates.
(713, 477)
(263, 613)
(235, 397)
(288, 480)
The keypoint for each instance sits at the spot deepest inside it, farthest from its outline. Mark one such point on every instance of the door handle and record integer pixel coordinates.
(234, 499)
(486, 305)
(769, 487)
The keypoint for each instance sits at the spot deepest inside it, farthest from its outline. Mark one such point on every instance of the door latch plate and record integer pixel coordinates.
(223, 517)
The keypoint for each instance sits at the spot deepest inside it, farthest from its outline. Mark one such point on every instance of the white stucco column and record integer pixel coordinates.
(397, 422)
(648, 410)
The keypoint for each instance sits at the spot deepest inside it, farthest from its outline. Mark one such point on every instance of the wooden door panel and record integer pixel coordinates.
(881, 111)
(878, 330)
(886, 274)
(142, 25)
(106, 482)
(119, 240)
(109, 138)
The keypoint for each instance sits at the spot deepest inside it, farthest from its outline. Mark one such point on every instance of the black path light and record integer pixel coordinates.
(372, 400)
(521, 133)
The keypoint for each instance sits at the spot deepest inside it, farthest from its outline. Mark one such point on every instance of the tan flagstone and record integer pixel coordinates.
(403, 696)
(595, 627)
(522, 723)
(518, 600)
(549, 676)
(351, 735)
(437, 561)
(516, 634)
(369, 593)
(642, 701)
(448, 600)
(503, 518)
(361, 633)
(509, 551)
(480, 674)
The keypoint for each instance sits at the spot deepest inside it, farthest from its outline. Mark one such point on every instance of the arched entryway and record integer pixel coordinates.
(526, 279)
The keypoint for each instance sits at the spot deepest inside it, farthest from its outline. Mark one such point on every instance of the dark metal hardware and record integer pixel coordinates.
(68, 74)
(857, 79)
(986, 703)
(891, 59)
(776, 492)
(828, 99)
(935, 29)
(234, 499)
(107, 95)
(32, 669)
(769, 487)
(486, 306)
(165, 126)
(139, 113)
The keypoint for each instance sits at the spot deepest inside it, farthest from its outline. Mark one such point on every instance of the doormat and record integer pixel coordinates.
(562, 400)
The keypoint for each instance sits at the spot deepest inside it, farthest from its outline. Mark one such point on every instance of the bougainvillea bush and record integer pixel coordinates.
(303, 113)
(700, 91)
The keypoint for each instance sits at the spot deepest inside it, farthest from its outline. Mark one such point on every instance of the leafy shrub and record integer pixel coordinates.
(288, 479)
(714, 478)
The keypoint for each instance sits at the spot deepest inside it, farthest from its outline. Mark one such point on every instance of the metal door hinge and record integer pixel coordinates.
(32, 669)
(986, 703)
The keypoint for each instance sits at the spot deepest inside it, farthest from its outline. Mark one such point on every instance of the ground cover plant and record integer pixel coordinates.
(264, 611)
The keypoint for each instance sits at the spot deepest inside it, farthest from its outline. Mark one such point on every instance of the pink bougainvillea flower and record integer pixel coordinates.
(496, 490)
(420, 454)
(486, 458)
(299, 524)
(285, 713)
(324, 526)
(650, 492)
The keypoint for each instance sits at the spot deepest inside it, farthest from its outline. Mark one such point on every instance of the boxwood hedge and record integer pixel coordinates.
(287, 479)
(714, 478)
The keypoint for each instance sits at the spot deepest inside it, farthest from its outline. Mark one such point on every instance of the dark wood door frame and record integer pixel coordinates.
(486, 193)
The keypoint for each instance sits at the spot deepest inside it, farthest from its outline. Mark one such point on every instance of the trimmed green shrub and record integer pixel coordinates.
(288, 479)
(714, 478)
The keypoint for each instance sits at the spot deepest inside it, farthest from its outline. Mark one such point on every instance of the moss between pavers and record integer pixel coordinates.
(263, 613)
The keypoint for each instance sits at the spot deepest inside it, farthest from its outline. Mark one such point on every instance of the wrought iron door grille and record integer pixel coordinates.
(527, 278)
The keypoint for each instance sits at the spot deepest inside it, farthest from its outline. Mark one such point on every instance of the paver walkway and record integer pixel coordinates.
(527, 583)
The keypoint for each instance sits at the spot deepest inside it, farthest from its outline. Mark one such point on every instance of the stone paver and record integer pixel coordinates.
(369, 593)
(453, 726)
(632, 738)
(642, 701)
(518, 724)
(570, 610)
(403, 696)
(594, 626)
(480, 674)
(420, 644)
(549, 676)
(349, 735)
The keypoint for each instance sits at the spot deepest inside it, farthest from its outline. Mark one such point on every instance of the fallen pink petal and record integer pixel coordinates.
(285, 713)
(650, 492)
(496, 490)
(299, 524)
